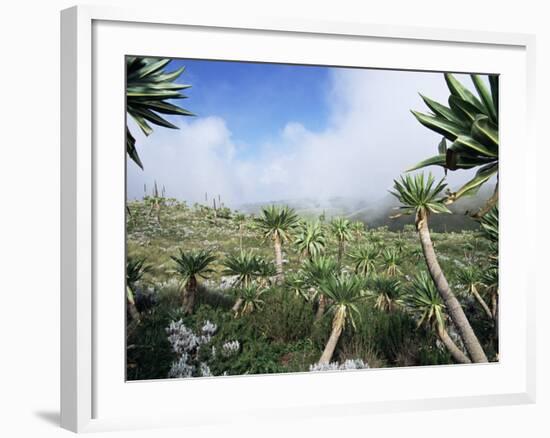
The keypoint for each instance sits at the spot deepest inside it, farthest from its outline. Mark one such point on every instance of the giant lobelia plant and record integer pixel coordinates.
(148, 91)
(470, 124)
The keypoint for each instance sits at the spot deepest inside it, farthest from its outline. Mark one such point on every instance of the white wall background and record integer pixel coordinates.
(29, 218)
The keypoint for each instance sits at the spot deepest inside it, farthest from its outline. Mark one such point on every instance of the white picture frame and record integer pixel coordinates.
(93, 397)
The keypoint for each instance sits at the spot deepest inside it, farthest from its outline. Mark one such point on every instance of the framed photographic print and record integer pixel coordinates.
(276, 218)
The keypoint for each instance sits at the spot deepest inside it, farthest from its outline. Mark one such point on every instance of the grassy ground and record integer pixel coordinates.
(282, 337)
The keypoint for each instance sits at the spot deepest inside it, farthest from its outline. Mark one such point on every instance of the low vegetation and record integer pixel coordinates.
(372, 303)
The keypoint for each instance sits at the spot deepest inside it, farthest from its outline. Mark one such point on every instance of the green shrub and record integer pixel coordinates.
(148, 352)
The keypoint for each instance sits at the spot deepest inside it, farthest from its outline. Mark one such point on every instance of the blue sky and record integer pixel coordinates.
(257, 100)
(271, 132)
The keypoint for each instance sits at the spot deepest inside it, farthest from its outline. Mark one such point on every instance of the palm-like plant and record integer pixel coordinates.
(400, 244)
(358, 229)
(296, 283)
(364, 258)
(341, 228)
(245, 266)
(276, 224)
(386, 292)
(310, 240)
(148, 89)
(251, 298)
(423, 299)
(375, 238)
(416, 253)
(489, 279)
(135, 268)
(345, 292)
(471, 124)
(470, 278)
(490, 229)
(317, 270)
(421, 196)
(189, 266)
(266, 271)
(391, 259)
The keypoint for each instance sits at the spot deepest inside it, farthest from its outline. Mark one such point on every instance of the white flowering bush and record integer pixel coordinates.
(186, 344)
(230, 348)
(350, 364)
(192, 361)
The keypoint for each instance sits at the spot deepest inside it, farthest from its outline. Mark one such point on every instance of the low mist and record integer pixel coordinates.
(369, 139)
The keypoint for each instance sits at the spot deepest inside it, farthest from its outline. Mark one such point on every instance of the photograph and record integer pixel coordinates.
(292, 218)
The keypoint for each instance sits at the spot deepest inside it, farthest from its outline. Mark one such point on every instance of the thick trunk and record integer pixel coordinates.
(481, 302)
(456, 352)
(491, 202)
(278, 258)
(340, 252)
(237, 305)
(331, 344)
(453, 306)
(189, 295)
(321, 309)
(131, 305)
(494, 311)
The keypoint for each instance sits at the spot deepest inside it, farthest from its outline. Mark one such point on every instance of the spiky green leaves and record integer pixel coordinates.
(345, 292)
(386, 292)
(423, 299)
(470, 123)
(135, 268)
(364, 259)
(392, 258)
(490, 229)
(469, 277)
(297, 283)
(277, 221)
(251, 296)
(148, 91)
(341, 228)
(310, 240)
(193, 264)
(318, 269)
(246, 266)
(489, 225)
(419, 194)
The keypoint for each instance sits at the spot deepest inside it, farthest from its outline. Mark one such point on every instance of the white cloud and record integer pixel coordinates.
(370, 139)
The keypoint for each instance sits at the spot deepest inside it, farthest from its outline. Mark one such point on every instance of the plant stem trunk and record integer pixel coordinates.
(454, 308)
(340, 252)
(332, 341)
(482, 302)
(131, 304)
(456, 352)
(494, 311)
(189, 295)
(278, 258)
(321, 309)
(237, 305)
(491, 202)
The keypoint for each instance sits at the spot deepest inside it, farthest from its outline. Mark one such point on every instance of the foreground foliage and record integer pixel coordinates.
(470, 123)
(286, 326)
